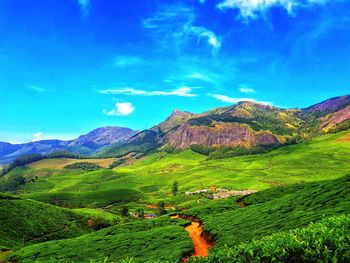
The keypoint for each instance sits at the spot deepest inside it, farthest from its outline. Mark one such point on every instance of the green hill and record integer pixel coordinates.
(25, 222)
(273, 210)
(160, 239)
(267, 212)
(325, 241)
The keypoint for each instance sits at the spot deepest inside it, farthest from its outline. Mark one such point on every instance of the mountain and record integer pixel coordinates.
(245, 124)
(85, 144)
(102, 136)
(330, 106)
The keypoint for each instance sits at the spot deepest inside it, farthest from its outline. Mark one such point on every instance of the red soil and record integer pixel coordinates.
(201, 246)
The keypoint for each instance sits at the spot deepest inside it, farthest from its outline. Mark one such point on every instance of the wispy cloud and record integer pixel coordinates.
(84, 7)
(177, 22)
(125, 61)
(121, 109)
(228, 99)
(37, 136)
(37, 89)
(246, 89)
(251, 9)
(181, 92)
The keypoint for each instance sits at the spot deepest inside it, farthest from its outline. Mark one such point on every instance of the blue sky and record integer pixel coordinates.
(67, 67)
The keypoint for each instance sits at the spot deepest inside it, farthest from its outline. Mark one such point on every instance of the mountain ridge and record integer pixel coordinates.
(245, 124)
(84, 144)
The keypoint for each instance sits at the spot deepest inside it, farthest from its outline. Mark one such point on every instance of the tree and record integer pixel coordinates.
(125, 211)
(175, 188)
(160, 208)
(140, 213)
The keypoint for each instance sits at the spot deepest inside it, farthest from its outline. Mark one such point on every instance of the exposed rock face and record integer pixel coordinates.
(225, 134)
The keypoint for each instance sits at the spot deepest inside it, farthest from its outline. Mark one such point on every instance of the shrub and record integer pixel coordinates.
(86, 166)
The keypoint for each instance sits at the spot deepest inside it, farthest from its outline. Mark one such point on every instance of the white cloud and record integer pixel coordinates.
(181, 91)
(37, 89)
(125, 61)
(245, 89)
(206, 77)
(84, 6)
(202, 1)
(253, 8)
(37, 136)
(228, 99)
(177, 22)
(121, 109)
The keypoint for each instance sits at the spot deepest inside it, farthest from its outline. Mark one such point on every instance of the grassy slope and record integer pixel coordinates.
(320, 159)
(268, 212)
(161, 239)
(25, 222)
(273, 210)
(59, 163)
(325, 241)
(323, 158)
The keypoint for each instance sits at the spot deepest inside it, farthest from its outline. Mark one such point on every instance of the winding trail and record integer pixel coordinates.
(195, 230)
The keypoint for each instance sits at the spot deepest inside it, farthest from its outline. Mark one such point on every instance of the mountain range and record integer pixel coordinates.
(245, 124)
(84, 144)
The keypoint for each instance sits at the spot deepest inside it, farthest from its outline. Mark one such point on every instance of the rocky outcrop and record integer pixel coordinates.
(224, 134)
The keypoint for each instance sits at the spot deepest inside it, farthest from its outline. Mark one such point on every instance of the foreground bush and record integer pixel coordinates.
(326, 241)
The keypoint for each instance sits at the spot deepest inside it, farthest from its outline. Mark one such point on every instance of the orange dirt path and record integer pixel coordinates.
(201, 246)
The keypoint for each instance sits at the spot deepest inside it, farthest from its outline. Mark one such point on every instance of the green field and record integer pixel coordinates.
(297, 185)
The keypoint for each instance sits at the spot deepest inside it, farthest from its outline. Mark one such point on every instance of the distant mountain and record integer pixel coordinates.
(245, 124)
(85, 144)
(101, 137)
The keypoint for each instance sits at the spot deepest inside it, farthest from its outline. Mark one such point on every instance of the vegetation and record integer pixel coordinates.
(273, 210)
(25, 222)
(125, 211)
(298, 184)
(117, 163)
(160, 210)
(145, 145)
(161, 239)
(326, 241)
(85, 166)
(20, 161)
(175, 188)
(261, 119)
(88, 198)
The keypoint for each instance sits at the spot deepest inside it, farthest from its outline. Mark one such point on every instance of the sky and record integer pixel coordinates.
(70, 66)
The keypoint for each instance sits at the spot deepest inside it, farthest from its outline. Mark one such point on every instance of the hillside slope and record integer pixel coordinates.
(245, 124)
(25, 222)
(149, 180)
